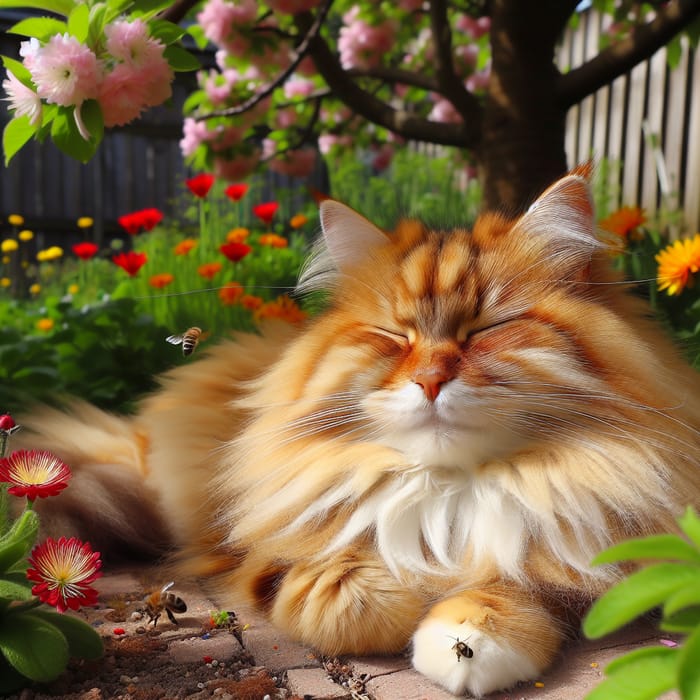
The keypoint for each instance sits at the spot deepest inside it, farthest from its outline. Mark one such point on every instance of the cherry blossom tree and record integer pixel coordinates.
(293, 76)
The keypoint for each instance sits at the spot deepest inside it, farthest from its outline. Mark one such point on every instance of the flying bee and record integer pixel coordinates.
(462, 649)
(189, 339)
(161, 600)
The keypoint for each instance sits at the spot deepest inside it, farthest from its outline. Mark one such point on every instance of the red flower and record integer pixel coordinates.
(7, 423)
(145, 219)
(236, 192)
(85, 250)
(64, 570)
(266, 211)
(200, 185)
(34, 473)
(235, 251)
(130, 262)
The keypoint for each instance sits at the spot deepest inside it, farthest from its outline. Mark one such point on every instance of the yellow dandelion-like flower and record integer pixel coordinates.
(25, 235)
(8, 245)
(73, 289)
(35, 288)
(5, 282)
(85, 222)
(45, 324)
(15, 219)
(6, 259)
(55, 252)
(678, 262)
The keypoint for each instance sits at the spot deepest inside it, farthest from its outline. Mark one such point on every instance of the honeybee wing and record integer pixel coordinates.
(174, 339)
(167, 586)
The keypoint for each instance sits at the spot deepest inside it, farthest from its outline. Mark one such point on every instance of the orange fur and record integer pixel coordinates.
(439, 454)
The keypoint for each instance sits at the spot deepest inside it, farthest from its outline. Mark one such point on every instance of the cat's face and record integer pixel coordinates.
(458, 345)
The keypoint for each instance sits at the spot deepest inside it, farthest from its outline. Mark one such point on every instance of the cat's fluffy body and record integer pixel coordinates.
(437, 457)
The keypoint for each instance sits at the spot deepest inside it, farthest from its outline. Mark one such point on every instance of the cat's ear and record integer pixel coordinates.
(562, 220)
(347, 236)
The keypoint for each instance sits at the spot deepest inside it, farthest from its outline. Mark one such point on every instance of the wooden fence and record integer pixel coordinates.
(647, 122)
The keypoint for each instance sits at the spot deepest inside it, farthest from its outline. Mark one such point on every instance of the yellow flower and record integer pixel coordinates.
(44, 324)
(73, 289)
(85, 222)
(35, 288)
(5, 282)
(15, 219)
(237, 235)
(678, 262)
(49, 253)
(298, 221)
(25, 235)
(5, 259)
(8, 245)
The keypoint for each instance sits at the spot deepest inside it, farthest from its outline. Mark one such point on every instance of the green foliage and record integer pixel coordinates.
(671, 582)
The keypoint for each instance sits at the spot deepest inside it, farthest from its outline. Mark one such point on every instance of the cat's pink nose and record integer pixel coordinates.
(431, 380)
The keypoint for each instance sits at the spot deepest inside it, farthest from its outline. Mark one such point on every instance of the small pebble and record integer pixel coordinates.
(125, 680)
(136, 615)
(200, 686)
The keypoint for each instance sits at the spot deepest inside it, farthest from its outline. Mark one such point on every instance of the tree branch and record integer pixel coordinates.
(178, 10)
(399, 121)
(396, 75)
(622, 56)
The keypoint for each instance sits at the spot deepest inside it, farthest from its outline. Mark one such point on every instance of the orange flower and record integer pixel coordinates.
(298, 221)
(251, 302)
(184, 247)
(237, 235)
(678, 262)
(283, 308)
(209, 270)
(230, 293)
(161, 280)
(273, 240)
(45, 324)
(624, 221)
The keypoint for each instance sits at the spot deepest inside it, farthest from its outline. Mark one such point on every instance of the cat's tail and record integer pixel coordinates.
(108, 501)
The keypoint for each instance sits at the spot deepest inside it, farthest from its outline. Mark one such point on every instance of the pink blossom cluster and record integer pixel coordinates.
(361, 44)
(474, 28)
(129, 76)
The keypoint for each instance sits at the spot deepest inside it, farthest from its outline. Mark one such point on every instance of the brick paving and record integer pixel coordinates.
(579, 670)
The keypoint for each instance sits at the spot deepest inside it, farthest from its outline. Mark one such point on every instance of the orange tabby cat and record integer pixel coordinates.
(433, 460)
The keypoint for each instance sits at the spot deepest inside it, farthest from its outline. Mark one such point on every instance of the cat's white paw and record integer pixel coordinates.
(485, 664)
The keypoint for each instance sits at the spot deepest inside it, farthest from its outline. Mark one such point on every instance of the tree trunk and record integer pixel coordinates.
(522, 145)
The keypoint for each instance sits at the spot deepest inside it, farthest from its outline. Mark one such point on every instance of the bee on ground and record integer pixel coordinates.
(161, 600)
(189, 339)
(462, 649)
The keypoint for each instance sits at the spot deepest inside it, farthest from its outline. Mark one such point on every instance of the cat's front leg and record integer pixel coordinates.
(485, 640)
(347, 604)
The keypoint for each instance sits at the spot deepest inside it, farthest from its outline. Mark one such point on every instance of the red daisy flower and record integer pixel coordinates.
(200, 185)
(236, 192)
(64, 570)
(85, 250)
(235, 251)
(131, 223)
(34, 473)
(130, 262)
(150, 218)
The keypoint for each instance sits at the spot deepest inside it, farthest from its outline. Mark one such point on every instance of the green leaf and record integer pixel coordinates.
(40, 27)
(36, 648)
(653, 547)
(684, 598)
(166, 32)
(689, 667)
(15, 587)
(60, 7)
(637, 594)
(196, 31)
(640, 675)
(18, 70)
(18, 540)
(15, 135)
(690, 524)
(65, 134)
(674, 51)
(10, 678)
(180, 59)
(684, 621)
(79, 22)
(83, 640)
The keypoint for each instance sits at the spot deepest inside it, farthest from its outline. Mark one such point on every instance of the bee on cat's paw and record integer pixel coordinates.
(462, 658)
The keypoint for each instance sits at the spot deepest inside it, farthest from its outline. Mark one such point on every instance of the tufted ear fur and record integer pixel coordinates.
(347, 236)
